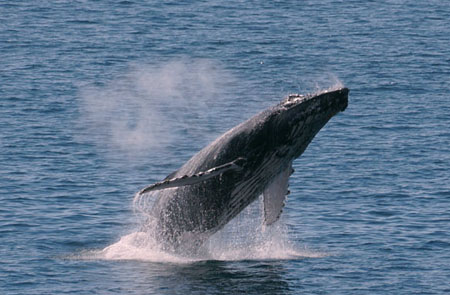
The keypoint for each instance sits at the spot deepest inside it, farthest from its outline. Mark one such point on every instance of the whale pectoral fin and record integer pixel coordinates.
(235, 165)
(275, 195)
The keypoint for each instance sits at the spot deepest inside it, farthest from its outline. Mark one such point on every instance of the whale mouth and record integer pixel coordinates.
(339, 97)
(344, 100)
(344, 107)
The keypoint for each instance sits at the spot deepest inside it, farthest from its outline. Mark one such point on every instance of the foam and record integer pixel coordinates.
(244, 238)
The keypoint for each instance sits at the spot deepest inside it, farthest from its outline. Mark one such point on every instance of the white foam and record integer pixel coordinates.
(139, 246)
(245, 238)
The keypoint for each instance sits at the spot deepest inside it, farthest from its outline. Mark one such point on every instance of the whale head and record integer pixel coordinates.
(336, 99)
(298, 118)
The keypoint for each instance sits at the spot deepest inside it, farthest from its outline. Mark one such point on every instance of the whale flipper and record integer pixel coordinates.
(235, 165)
(274, 196)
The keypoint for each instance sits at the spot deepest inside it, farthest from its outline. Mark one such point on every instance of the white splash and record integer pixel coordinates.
(244, 238)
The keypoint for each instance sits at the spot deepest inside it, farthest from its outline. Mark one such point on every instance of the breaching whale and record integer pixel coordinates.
(253, 158)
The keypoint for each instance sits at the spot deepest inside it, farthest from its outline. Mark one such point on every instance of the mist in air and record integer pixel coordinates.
(146, 108)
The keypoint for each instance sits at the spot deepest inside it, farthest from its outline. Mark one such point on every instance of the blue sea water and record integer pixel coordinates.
(101, 98)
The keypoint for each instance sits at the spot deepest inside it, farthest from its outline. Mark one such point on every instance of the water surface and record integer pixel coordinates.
(101, 98)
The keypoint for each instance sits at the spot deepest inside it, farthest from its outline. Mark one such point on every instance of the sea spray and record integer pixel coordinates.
(244, 238)
(319, 83)
(140, 110)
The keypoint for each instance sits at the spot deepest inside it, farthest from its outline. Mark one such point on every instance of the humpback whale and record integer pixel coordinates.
(253, 158)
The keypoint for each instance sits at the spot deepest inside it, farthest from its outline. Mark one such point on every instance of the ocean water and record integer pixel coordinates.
(100, 98)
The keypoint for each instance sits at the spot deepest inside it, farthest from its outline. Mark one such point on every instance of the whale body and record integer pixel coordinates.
(253, 158)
